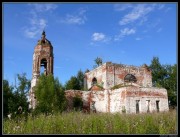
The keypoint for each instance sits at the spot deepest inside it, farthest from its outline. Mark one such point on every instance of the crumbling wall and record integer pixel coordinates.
(143, 95)
(117, 72)
(117, 100)
(87, 97)
(70, 94)
(111, 74)
(122, 99)
(99, 73)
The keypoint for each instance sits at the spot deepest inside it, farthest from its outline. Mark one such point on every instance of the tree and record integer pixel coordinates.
(23, 83)
(21, 91)
(165, 76)
(80, 78)
(98, 61)
(7, 95)
(158, 72)
(49, 94)
(170, 83)
(73, 83)
(14, 97)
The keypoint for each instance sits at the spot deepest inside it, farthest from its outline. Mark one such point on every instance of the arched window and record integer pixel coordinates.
(94, 81)
(130, 78)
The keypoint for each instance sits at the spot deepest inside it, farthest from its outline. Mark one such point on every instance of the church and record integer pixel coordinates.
(109, 88)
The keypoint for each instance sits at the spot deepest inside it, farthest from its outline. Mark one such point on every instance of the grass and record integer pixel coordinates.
(95, 123)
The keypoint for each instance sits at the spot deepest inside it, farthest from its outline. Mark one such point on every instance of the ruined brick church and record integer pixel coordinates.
(110, 87)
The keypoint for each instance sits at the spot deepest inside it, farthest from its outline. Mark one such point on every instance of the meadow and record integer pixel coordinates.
(94, 123)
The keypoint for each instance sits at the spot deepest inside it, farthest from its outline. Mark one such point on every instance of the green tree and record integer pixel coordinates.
(7, 95)
(170, 83)
(80, 78)
(15, 96)
(158, 72)
(98, 61)
(165, 76)
(23, 84)
(49, 94)
(73, 83)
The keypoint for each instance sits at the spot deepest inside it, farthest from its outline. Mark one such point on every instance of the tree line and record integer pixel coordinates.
(50, 94)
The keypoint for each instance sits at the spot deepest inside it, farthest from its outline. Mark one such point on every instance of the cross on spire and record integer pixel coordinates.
(43, 33)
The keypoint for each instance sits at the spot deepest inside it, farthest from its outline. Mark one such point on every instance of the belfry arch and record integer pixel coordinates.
(44, 66)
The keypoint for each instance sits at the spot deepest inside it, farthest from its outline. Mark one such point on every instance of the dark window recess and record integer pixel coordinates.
(157, 105)
(137, 106)
(94, 81)
(148, 103)
(130, 78)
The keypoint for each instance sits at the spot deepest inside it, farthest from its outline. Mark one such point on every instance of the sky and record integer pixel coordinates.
(126, 33)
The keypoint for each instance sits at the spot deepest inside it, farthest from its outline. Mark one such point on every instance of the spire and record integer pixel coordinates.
(43, 38)
(43, 33)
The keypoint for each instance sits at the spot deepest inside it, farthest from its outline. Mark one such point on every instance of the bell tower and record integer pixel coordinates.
(42, 59)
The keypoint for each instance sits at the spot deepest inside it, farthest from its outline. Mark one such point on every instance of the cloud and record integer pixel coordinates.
(36, 22)
(127, 31)
(70, 19)
(122, 7)
(43, 7)
(138, 12)
(99, 37)
(79, 18)
(37, 25)
(124, 32)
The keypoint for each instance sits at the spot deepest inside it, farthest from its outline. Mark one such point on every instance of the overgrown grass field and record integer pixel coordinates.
(94, 123)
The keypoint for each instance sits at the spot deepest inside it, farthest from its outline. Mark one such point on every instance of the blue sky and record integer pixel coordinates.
(127, 33)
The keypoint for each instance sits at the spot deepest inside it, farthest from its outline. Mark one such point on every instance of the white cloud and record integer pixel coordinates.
(98, 36)
(36, 22)
(124, 32)
(37, 25)
(70, 19)
(44, 7)
(138, 12)
(121, 7)
(127, 31)
(79, 18)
